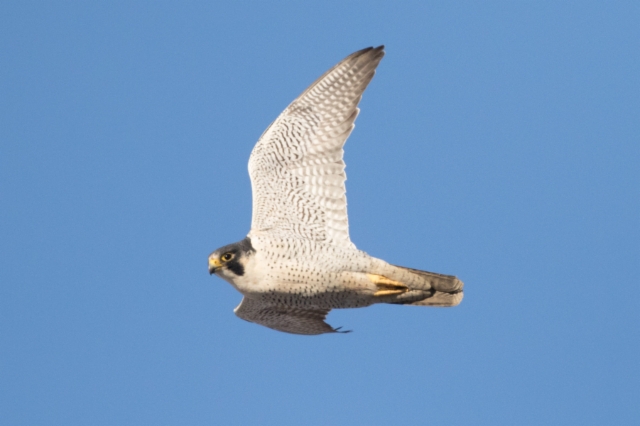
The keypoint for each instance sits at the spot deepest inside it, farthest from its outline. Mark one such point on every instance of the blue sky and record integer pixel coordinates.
(497, 142)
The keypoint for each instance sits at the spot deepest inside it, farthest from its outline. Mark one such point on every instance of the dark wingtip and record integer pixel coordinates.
(376, 52)
(369, 49)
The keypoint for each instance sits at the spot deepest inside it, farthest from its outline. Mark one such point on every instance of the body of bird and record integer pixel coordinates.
(298, 261)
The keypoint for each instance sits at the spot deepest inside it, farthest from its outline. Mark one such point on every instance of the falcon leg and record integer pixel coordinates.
(386, 286)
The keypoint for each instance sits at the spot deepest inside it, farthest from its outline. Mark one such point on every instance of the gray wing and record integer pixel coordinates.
(296, 168)
(284, 318)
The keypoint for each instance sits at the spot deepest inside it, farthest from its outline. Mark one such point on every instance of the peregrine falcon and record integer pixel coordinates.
(298, 262)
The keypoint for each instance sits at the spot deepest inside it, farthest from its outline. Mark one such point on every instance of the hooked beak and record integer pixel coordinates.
(213, 265)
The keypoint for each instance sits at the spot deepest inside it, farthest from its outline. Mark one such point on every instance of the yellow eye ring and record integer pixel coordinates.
(227, 257)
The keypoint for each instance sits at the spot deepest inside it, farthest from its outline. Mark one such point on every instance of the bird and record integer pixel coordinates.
(298, 262)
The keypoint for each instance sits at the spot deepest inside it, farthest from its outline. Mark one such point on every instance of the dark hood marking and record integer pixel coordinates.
(239, 249)
(235, 267)
(245, 245)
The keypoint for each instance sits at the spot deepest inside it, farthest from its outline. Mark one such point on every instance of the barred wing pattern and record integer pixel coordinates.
(297, 168)
(284, 318)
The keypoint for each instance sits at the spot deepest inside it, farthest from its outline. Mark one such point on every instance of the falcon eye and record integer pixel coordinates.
(227, 257)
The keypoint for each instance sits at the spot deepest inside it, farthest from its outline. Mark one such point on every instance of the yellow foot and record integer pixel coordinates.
(387, 287)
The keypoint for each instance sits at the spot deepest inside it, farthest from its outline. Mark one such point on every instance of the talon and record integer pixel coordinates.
(386, 286)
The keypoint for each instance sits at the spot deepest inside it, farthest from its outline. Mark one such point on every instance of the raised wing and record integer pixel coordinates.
(284, 318)
(296, 168)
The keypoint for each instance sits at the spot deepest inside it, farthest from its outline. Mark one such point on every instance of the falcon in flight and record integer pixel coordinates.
(298, 262)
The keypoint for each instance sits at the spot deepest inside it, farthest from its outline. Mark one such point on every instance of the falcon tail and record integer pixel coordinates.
(446, 290)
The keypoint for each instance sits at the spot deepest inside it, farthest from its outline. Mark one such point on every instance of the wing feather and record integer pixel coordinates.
(284, 318)
(297, 168)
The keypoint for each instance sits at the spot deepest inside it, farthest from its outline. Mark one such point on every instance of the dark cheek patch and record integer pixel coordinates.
(236, 268)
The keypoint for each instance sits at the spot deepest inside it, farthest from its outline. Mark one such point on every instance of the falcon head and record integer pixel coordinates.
(230, 261)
